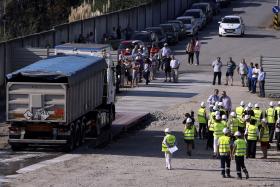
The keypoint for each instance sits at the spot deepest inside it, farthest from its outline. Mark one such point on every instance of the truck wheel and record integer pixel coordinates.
(71, 140)
(77, 134)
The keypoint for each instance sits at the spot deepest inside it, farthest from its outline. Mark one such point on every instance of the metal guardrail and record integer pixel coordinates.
(271, 66)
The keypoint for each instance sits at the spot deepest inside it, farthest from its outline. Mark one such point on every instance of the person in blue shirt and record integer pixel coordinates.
(249, 76)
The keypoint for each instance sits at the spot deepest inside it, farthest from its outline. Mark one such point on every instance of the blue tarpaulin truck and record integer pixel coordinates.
(62, 100)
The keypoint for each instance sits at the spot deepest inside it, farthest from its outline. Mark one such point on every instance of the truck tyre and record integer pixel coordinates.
(71, 139)
(77, 134)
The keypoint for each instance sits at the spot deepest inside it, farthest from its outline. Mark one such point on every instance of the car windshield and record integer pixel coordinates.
(202, 7)
(186, 21)
(142, 37)
(231, 20)
(194, 14)
(167, 28)
(126, 45)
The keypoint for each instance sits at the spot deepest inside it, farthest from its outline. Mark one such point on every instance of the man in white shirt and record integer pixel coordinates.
(261, 79)
(174, 64)
(255, 75)
(217, 66)
(242, 69)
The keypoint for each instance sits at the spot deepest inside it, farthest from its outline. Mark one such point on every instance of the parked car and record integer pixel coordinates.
(206, 9)
(180, 25)
(198, 16)
(171, 34)
(231, 25)
(148, 38)
(190, 24)
(214, 4)
(160, 33)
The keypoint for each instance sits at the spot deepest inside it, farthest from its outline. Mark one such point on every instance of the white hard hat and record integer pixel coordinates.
(271, 103)
(233, 114)
(278, 102)
(127, 49)
(202, 104)
(250, 105)
(166, 130)
(246, 108)
(137, 58)
(224, 117)
(256, 105)
(225, 130)
(264, 120)
(217, 117)
(217, 113)
(215, 108)
(220, 104)
(242, 103)
(216, 103)
(165, 44)
(247, 117)
(189, 120)
(237, 133)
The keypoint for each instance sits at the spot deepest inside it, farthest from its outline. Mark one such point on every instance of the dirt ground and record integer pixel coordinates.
(136, 160)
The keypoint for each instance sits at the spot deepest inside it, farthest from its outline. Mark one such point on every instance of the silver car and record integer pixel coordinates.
(198, 16)
(190, 24)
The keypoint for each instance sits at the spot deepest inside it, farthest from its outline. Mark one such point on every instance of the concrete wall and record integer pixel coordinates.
(101, 27)
(88, 26)
(61, 34)
(75, 29)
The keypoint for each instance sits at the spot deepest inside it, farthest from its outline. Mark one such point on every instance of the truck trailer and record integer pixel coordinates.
(62, 100)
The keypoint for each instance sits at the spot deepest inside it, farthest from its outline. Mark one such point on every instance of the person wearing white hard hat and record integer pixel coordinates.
(224, 150)
(240, 114)
(211, 121)
(247, 119)
(252, 134)
(239, 152)
(264, 137)
(189, 134)
(222, 109)
(249, 110)
(224, 119)
(271, 118)
(277, 134)
(202, 120)
(169, 141)
(218, 132)
(233, 123)
(258, 114)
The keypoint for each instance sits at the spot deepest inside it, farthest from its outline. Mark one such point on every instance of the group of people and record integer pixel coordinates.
(193, 48)
(232, 133)
(250, 75)
(141, 62)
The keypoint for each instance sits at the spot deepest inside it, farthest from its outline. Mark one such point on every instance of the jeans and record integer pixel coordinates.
(197, 57)
(190, 59)
(225, 164)
(254, 85)
(202, 130)
(249, 83)
(261, 86)
(251, 148)
(271, 127)
(175, 74)
(244, 80)
(219, 74)
(239, 160)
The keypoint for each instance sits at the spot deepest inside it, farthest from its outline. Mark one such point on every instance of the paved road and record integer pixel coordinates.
(195, 86)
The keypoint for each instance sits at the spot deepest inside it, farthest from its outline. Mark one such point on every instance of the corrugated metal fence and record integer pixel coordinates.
(136, 18)
(271, 66)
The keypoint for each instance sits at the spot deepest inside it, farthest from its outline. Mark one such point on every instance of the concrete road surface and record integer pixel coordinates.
(136, 160)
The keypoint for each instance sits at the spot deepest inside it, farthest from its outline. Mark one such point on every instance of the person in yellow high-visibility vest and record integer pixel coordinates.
(202, 120)
(218, 132)
(258, 114)
(239, 151)
(169, 141)
(189, 134)
(271, 117)
(264, 138)
(240, 114)
(224, 151)
(210, 136)
(232, 124)
(252, 133)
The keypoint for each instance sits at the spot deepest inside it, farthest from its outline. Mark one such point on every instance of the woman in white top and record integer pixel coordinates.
(197, 50)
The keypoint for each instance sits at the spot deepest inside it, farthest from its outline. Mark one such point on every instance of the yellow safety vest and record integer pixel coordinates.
(270, 115)
(258, 114)
(189, 133)
(224, 145)
(241, 146)
(278, 110)
(211, 122)
(218, 129)
(252, 132)
(170, 139)
(265, 134)
(201, 113)
(239, 111)
(233, 125)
